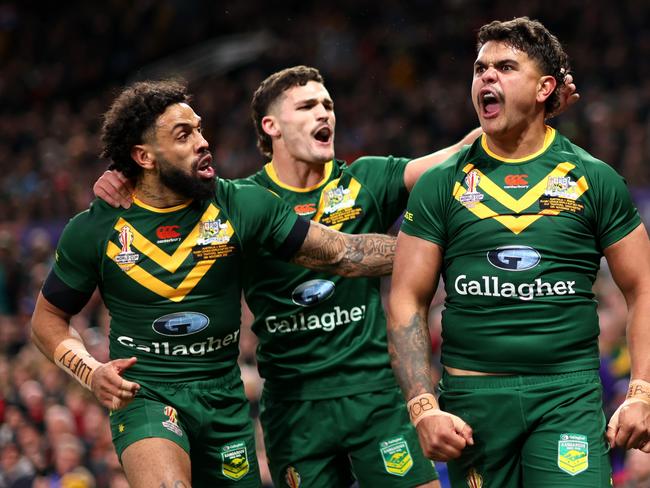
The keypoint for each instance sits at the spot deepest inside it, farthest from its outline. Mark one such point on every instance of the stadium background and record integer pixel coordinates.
(399, 73)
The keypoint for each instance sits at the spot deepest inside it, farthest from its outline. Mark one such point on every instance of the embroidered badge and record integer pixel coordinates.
(213, 241)
(396, 455)
(472, 195)
(234, 460)
(213, 232)
(172, 423)
(292, 477)
(573, 453)
(126, 258)
(474, 480)
(339, 206)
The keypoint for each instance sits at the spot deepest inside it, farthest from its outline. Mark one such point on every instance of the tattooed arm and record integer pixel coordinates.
(326, 249)
(415, 278)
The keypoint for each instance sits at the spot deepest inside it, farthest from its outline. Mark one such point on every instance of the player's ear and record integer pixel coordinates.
(270, 126)
(143, 156)
(545, 87)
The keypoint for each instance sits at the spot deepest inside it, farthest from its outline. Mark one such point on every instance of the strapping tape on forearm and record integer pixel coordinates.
(421, 406)
(639, 390)
(72, 357)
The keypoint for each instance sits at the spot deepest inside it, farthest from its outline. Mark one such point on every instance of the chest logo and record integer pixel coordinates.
(180, 323)
(305, 208)
(167, 233)
(561, 186)
(312, 292)
(472, 195)
(516, 181)
(213, 232)
(514, 258)
(126, 258)
(337, 199)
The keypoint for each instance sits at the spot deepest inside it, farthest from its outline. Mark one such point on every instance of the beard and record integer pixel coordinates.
(187, 185)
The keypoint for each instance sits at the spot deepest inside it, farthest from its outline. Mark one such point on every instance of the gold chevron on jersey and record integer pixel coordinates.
(169, 262)
(518, 205)
(335, 199)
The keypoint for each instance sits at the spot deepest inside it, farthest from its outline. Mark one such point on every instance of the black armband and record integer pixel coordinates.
(294, 240)
(60, 295)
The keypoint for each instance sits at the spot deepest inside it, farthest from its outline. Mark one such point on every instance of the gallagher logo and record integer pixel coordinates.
(180, 323)
(514, 258)
(305, 208)
(167, 233)
(312, 292)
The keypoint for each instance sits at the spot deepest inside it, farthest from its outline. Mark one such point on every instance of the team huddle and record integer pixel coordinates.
(514, 217)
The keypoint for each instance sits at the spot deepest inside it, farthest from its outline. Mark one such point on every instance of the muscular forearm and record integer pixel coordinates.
(638, 336)
(409, 346)
(348, 255)
(60, 343)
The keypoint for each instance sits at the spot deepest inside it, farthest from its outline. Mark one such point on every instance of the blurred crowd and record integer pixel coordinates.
(400, 78)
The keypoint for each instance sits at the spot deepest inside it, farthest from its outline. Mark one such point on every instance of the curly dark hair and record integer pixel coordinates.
(133, 112)
(270, 90)
(531, 37)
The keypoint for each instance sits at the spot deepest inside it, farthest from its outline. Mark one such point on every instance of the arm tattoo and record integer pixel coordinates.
(175, 484)
(325, 249)
(409, 346)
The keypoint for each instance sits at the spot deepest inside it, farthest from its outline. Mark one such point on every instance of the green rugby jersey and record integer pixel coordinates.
(172, 278)
(323, 336)
(522, 244)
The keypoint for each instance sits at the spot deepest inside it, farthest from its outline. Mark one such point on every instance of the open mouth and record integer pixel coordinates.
(204, 167)
(324, 134)
(490, 104)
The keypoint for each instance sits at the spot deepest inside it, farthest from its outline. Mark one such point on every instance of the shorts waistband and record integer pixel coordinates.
(511, 381)
(226, 378)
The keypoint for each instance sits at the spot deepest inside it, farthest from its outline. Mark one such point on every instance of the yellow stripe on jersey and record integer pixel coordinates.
(153, 284)
(354, 187)
(166, 261)
(520, 223)
(529, 198)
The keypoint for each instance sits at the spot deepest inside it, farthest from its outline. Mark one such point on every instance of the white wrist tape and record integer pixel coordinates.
(73, 358)
(421, 406)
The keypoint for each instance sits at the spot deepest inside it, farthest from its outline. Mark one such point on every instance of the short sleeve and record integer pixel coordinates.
(262, 218)
(76, 259)
(426, 207)
(384, 177)
(616, 214)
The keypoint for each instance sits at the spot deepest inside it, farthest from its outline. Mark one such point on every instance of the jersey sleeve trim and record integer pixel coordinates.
(414, 233)
(622, 232)
(59, 294)
(294, 240)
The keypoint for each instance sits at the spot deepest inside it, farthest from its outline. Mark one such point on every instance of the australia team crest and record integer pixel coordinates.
(396, 455)
(234, 460)
(573, 453)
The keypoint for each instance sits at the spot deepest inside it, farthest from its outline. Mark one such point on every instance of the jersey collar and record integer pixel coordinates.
(270, 172)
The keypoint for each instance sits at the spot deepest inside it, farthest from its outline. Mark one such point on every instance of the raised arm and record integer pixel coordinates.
(61, 344)
(416, 167)
(326, 249)
(629, 262)
(415, 278)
